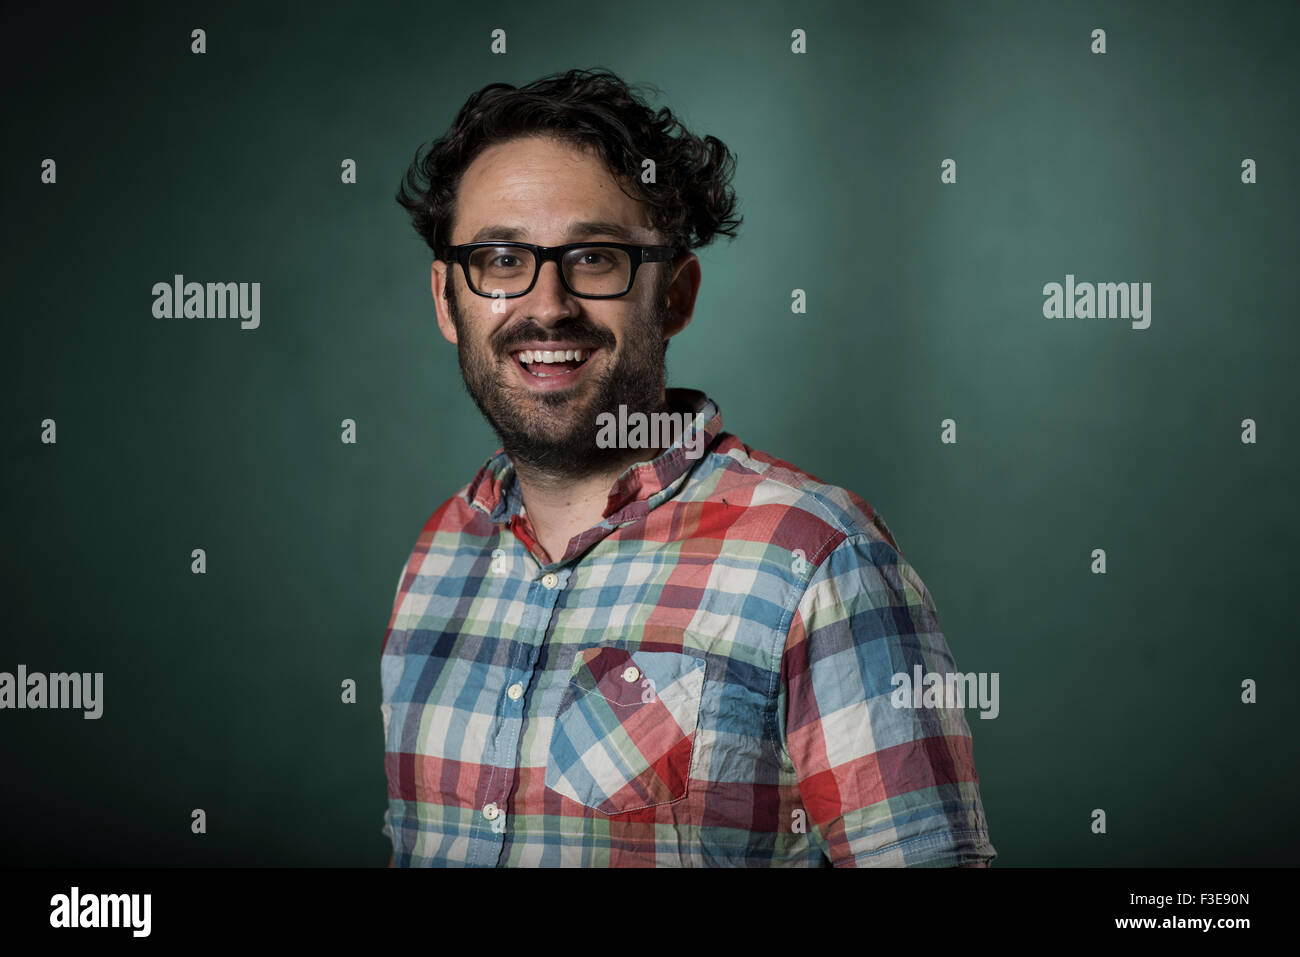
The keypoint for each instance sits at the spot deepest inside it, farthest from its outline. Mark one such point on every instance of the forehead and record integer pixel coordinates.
(542, 188)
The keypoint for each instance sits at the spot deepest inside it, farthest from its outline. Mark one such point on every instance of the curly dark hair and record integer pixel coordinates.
(691, 202)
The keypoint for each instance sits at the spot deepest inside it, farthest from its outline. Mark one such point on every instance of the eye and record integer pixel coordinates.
(592, 259)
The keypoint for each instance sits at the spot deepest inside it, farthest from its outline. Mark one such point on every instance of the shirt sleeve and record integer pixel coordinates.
(386, 707)
(882, 784)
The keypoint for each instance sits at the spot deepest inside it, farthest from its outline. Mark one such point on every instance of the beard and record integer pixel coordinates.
(554, 432)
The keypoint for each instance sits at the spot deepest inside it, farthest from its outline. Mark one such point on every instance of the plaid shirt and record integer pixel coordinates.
(703, 679)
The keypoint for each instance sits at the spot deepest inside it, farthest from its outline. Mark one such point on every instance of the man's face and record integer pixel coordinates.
(538, 190)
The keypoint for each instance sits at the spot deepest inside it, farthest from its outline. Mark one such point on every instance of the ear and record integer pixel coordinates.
(682, 290)
(439, 277)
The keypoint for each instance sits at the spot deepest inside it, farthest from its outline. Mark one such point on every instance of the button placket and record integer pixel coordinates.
(507, 742)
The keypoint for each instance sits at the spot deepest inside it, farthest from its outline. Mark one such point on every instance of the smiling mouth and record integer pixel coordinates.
(550, 364)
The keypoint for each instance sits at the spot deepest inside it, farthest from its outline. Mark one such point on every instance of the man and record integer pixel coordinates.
(671, 649)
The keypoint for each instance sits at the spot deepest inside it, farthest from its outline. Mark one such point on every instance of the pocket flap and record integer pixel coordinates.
(624, 735)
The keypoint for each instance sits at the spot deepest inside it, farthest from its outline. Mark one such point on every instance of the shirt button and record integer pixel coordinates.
(631, 674)
(491, 811)
(550, 579)
(515, 691)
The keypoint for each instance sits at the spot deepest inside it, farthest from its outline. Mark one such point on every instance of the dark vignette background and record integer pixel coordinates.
(1118, 692)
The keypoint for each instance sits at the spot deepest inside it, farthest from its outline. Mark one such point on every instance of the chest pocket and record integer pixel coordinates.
(625, 731)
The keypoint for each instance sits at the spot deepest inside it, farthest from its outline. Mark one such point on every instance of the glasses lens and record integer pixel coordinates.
(500, 270)
(589, 270)
(598, 270)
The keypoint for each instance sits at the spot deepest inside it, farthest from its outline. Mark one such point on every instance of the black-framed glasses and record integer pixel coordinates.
(500, 270)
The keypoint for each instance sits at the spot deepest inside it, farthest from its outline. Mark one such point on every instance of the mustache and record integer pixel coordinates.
(584, 335)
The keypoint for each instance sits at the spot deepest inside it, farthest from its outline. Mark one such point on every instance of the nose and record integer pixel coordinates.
(548, 298)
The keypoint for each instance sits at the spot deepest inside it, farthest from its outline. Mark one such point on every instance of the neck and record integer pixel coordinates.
(562, 504)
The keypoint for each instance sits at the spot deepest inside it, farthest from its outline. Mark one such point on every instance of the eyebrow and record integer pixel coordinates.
(577, 231)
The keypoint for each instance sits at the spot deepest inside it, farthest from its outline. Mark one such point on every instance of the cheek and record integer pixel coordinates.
(476, 329)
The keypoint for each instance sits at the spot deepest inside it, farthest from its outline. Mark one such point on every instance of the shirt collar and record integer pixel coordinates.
(641, 487)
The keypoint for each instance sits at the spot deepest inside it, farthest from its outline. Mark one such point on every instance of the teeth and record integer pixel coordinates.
(529, 356)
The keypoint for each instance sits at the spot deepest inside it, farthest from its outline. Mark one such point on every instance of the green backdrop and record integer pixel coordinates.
(1119, 691)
